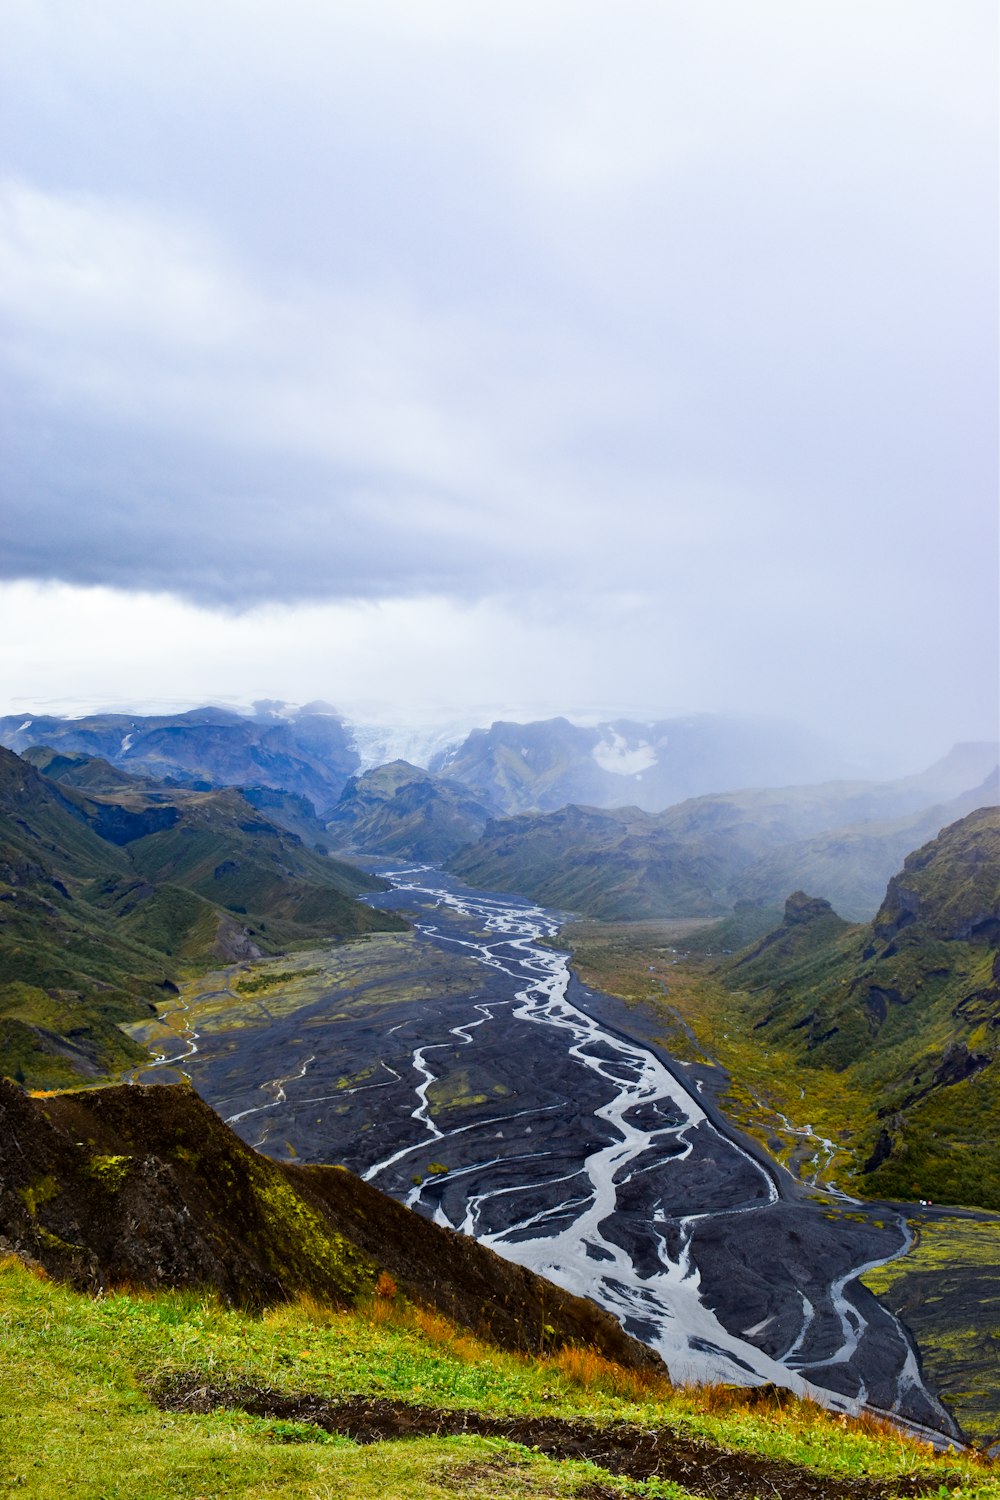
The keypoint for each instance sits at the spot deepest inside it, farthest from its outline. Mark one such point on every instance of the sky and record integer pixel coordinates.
(465, 359)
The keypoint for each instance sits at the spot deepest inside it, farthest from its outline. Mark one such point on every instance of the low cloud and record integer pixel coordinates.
(686, 304)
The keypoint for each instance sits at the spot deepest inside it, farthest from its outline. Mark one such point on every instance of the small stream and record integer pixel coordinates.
(528, 1115)
(657, 1124)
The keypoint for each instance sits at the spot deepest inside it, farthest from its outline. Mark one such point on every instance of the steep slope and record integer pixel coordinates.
(308, 753)
(906, 1009)
(147, 1187)
(611, 864)
(544, 765)
(290, 811)
(67, 976)
(851, 865)
(216, 845)
(838, 839)
(104, 898)
(399, 809)
(89, 773)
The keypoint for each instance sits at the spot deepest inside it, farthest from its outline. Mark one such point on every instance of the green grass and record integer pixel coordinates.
(947, 1290)
(75, 1417)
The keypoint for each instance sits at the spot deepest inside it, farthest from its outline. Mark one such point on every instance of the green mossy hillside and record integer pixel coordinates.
(147, 1187)
(108, 896)
(616, 864)
(753, 847)
(906, 1010)
(401, 810)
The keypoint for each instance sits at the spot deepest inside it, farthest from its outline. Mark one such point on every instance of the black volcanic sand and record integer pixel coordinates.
(334, 1081)
(752, 1267)
(622, 1448)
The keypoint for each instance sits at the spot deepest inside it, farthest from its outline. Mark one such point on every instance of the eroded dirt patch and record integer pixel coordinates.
(621, 1448)
(510, 1476)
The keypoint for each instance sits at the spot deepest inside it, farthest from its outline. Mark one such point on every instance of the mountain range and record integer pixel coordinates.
(202, 840)
(311, 751)
(399, 809)
(308, 753)
(840, 839)
(903, 1012)
(542, 766)
(111, 887)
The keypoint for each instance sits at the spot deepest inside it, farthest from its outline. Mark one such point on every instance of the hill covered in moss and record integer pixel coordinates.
(839, 840)
(400, 810)
(904, 1009)
(111, 888)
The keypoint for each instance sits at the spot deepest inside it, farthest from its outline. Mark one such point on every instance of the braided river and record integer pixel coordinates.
(540, 1117)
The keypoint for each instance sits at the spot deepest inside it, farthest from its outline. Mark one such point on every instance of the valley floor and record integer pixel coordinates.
(946, 1288)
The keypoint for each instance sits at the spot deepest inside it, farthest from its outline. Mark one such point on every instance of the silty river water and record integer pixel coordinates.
(593, 1158)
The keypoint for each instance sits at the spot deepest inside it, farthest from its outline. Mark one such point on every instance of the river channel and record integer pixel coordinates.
(528, 1111)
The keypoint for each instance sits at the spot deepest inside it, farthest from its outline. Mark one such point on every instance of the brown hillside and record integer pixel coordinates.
(147, 1187)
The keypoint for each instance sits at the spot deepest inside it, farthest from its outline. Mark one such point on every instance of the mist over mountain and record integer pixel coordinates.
(547, 764)
(621, 818)
(308, 752)
(838, 839)
(312, 750)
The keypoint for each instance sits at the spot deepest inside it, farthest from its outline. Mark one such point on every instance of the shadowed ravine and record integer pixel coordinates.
(523, 1114)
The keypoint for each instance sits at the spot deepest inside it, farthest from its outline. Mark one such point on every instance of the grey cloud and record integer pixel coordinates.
(691, 300)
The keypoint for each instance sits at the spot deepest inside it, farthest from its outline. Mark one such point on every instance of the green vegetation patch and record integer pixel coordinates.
(462, 1088)
(109, 1171)
(36, 1193)
(76, 1416)
(947, 1290)
(273, 979)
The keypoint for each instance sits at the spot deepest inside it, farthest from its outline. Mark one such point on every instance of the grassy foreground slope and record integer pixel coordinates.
(257, 1321)
(87, 1387)
(147, 1187)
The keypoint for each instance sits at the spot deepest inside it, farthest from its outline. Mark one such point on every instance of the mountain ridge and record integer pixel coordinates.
(701, 856)
(905, 1009)
(106, 896)
(400, 809)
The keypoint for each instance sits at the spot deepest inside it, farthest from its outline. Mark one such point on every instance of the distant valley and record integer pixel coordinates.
(842, 840)
(110, 888)
(186, 884)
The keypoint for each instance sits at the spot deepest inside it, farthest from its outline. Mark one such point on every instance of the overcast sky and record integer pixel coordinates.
(452, 360)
